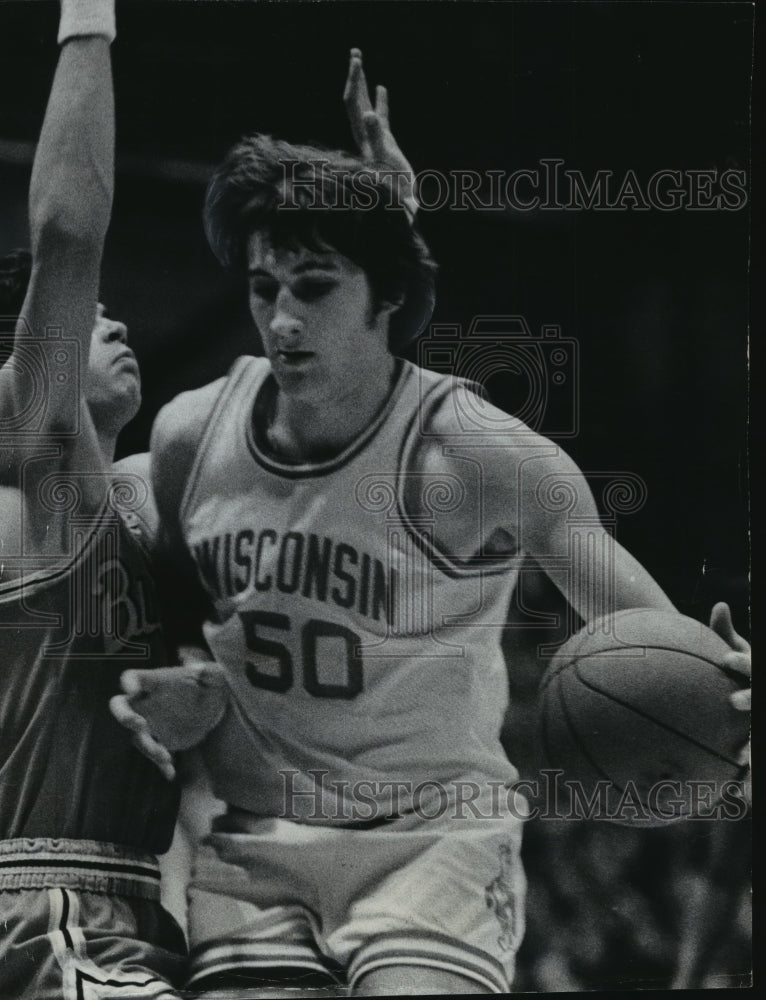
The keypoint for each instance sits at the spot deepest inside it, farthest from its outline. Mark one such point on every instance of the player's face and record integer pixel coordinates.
(315, 316)
(113, 389)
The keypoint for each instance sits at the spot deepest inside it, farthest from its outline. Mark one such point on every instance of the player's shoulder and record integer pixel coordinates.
(182, 422)
(134, 465)
(458, 421)
(181, 426)
(457, 411)
(132, 480)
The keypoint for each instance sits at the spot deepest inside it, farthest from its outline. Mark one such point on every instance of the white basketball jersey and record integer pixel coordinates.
(358, 655)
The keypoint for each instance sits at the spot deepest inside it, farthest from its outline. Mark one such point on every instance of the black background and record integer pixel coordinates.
(656, 301)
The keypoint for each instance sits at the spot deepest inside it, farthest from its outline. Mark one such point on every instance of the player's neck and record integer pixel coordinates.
(302, 430)
(107, 445)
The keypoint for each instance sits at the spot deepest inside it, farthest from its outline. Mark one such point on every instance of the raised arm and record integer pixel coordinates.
(70, 201)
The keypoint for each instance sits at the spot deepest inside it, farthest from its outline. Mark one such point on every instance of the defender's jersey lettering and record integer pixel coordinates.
(68, 769)
(106, 600)
(318, 568)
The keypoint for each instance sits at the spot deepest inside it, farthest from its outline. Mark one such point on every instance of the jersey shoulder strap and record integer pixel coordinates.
(229, 418)
(133, 497)
(180, 434)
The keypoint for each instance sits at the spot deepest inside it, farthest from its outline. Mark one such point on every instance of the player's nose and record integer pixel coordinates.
(114, 330)
(285, 325)
(110, 330)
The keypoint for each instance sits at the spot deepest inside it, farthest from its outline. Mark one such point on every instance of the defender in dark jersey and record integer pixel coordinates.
(82, 813)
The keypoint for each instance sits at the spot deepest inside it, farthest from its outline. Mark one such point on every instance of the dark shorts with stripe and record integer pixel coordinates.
(82, 920)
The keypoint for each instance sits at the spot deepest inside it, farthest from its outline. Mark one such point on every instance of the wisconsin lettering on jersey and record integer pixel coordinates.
(317, 568)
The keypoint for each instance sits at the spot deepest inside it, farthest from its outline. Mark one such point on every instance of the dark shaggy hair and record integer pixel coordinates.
(305, 196)
(15, 271)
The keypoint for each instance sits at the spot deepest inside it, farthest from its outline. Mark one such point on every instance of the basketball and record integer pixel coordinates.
(635, 712)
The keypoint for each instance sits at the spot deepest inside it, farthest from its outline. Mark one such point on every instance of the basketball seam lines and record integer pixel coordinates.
(578, 741)
(554, 671)
(643, 645)
(649, 718)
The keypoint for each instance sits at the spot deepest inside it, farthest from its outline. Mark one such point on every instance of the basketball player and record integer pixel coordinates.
(82, 813)
(358, 524)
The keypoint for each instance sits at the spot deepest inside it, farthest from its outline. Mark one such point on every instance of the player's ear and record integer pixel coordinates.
(385, 308)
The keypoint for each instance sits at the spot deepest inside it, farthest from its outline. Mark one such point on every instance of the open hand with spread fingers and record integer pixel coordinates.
(372, 133)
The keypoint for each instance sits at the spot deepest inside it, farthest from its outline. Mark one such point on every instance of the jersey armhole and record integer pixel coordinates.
(177, 445)
(184, 486)
(422, 420)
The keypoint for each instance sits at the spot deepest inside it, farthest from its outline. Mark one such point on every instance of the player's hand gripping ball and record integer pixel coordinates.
(640, 702)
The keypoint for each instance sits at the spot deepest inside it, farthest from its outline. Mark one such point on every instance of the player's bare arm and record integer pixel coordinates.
(70, 202)
(520, 477)
(507, 499)
(530, 492)
(175, 708)
(69, 208)
(612, 581)
(95, 585)
(509, 468)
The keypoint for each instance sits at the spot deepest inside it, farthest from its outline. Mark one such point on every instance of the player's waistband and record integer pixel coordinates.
(238, 820)
(86, 865)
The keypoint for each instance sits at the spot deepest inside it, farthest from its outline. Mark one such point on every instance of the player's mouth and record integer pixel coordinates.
(128, 358)
(294, 359)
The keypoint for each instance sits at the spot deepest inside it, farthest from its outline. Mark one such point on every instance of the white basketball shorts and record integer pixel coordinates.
(446, 893)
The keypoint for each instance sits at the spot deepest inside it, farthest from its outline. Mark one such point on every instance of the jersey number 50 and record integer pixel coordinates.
(311, 632)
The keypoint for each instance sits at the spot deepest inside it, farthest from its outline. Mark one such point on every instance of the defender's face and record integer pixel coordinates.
(315, 316)
(113, 389)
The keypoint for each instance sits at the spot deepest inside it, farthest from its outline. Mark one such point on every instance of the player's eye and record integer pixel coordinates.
(265, 290)
(311, 289)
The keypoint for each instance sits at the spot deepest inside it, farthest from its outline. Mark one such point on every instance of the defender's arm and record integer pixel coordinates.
(70, 201)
